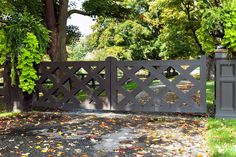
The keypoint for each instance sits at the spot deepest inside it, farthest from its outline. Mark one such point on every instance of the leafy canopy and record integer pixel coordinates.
(218, 26)
(154, 29)
(23, 41)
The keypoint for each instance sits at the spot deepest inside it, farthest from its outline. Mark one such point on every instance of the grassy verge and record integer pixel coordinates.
(221, 137)
(7, 114)
(3, 111)
(210, 92)
(221, 133)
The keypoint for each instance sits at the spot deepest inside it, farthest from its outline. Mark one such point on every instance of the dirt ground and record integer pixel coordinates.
(101, 135)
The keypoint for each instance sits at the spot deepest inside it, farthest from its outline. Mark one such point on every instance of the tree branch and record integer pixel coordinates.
(187, 12)
(81, 12)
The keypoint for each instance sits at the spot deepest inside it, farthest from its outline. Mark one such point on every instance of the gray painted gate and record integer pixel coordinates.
(123, 85)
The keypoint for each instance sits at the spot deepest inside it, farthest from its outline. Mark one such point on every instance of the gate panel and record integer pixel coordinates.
(155, 86)
(74, 85)
(159, 92)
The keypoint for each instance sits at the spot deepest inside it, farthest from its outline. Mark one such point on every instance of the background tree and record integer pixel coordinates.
(24, 38)
(165, 29)
(133, 38)
(78, 50)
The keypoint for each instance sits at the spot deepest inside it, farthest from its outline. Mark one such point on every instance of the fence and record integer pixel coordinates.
(116, 85)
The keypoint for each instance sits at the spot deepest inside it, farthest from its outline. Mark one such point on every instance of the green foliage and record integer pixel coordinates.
(154, 29)
(125, 38)
(78, 50)
(73, 34)
(3, 48)
(31, 6)
(114, 51)
(219, 22)
(107, 8)
(177, 38)
(229, 39)
(211, 23)
(28, 57)
(25, 40)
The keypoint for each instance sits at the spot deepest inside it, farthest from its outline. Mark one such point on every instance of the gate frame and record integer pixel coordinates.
(201, 62)
(111, 66)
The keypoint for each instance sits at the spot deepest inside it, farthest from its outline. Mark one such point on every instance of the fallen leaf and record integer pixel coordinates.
(199, 155)
(44, 150)
(59, 133)
(78, 150)
(60, 153)
(25, 154)
(38, 147)
(84, 155)
(102, 125)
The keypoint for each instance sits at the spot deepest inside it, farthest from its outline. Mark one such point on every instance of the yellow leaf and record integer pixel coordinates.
(199, 155)
(38, 147)
(181, 150)
(44, 150)
(59, 133)
(84, 155)
(25, 154)
(59, 144)
(60, 153)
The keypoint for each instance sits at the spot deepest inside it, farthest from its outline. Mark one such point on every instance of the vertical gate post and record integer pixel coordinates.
(225, 85)
(13, 94)
(16, 100)
(111, 74)
(203, 78)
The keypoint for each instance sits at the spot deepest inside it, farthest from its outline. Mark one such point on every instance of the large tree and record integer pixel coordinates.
(57, 12)
(24, 38)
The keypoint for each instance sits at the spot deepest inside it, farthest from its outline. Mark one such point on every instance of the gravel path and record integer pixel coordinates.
(101, 134)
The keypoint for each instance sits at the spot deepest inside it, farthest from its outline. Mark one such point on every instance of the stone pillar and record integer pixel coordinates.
(225, 84)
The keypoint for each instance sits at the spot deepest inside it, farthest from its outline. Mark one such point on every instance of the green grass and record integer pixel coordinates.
(210, 92)
(3, 111)
(221, 137)
(221, 133)
(133, 85)
(7, 114)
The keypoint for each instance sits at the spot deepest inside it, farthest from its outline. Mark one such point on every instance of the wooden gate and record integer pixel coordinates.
(155, 86)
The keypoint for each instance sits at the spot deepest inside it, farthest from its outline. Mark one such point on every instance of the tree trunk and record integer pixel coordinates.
(210, 68)
(62, 21)
(57, 25)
